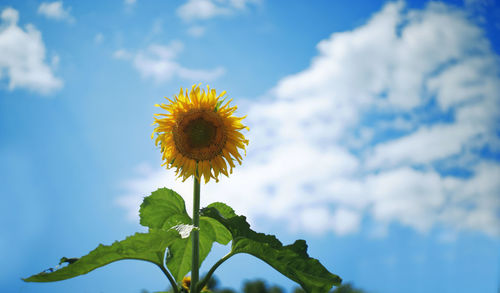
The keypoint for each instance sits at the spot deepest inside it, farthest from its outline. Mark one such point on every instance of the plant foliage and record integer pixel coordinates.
(169, 241)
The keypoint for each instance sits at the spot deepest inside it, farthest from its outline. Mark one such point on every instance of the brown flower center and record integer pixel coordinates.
(199, 134)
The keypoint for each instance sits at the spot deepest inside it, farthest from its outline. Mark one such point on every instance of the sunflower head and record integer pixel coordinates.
(199, 135)
(186, 284)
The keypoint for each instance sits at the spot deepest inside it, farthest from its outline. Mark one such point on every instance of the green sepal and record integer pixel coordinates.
(219, 103)
(141, 246)
(290, 260)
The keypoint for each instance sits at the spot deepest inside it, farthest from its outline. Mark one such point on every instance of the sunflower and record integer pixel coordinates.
(199, 136)
(186, 284)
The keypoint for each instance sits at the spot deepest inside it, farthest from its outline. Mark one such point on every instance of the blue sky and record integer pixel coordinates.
(374, 134)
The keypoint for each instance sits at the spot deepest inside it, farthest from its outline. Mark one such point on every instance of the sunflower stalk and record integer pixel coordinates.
(196, 234)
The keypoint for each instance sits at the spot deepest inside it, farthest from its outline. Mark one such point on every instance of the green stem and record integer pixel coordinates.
(170, 278)
(196, 234)
(212, 270)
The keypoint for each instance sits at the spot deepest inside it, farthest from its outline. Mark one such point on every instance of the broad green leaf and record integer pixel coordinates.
(180, 252)
(141, 246)
(291, 260)
(223, 209)
(218, 232)
(165, 209)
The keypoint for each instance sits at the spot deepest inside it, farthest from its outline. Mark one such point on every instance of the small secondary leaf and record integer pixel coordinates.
(141, 246)
(291, 260)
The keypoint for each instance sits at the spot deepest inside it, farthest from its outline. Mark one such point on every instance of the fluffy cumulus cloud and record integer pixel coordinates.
(207, 9)
(22, 56)
(55, 10)
(158, 62)
(391, 123)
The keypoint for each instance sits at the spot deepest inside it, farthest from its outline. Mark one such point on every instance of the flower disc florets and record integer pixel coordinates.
(199, 136)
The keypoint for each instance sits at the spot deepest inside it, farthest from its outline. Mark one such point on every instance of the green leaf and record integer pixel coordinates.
(291, 260)
(223, 209)
(141, 246)
(165, 209)
(180, 252)
(216, 230)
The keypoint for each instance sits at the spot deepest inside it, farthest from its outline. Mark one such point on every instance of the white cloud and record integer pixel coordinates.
(196, 31)
(22, 56)
(55, 10)
(201, 9)
(423, 146)
(148, 180)
(345, 221)
(10, 16)
(158, 62)
(206, 9)
(364, 131)
(130, 2)
(122, 54)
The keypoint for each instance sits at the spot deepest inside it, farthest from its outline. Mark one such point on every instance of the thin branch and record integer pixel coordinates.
(205, 280)
(170, 278)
